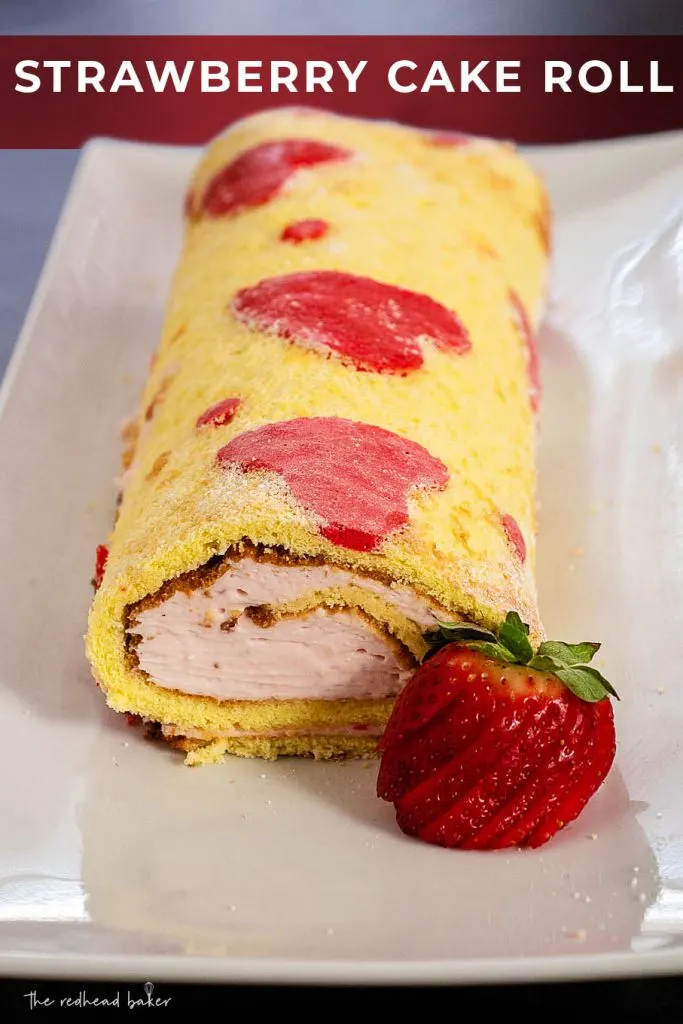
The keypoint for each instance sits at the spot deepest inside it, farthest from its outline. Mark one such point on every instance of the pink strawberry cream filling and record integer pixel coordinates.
(236, 639)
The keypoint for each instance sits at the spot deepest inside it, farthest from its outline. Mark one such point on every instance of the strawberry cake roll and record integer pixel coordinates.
(335, 445)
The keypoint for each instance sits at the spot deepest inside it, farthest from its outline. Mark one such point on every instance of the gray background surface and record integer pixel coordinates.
(33, 183)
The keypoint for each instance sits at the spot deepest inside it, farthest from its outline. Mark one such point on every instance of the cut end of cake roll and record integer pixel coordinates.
(335, 445)
(289, 655)
(262, 653)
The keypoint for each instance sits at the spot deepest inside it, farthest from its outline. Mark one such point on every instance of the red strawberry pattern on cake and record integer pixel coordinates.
(305, 230)
(372, 326)
(220, 414)
(523, 325)
(514, 535)
(261, 172)
(356, 477)
(101, 556)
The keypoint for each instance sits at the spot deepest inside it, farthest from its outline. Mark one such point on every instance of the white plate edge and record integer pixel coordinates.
(184, 969)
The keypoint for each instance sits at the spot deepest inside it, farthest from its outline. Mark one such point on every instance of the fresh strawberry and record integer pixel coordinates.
(493, 745)
(101, 555)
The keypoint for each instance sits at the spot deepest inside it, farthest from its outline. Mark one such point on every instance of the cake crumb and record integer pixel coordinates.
(658, 814)
(329, 931)
(579, 935)
(592, 835)
(642, 897)
(571, 567)
(660, 690)
(655, 447)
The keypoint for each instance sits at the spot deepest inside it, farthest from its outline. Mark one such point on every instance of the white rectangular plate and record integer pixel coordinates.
(117, 861)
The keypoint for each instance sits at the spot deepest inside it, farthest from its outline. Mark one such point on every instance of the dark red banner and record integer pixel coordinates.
(57, 92)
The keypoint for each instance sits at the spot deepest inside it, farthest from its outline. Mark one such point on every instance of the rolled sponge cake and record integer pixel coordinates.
(335, 444)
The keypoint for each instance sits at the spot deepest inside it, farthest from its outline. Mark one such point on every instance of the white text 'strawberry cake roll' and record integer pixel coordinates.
(335, 448)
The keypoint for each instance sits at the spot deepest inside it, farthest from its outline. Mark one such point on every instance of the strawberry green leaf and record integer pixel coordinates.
(586, 682)
(605, 682)
(544, 663)
(465, 631)
(514, 634)
(455, 633)
(496, 651)
(513, 621)
(567, 655)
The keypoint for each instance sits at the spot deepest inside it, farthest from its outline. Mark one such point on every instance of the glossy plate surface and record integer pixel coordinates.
(116, 861)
